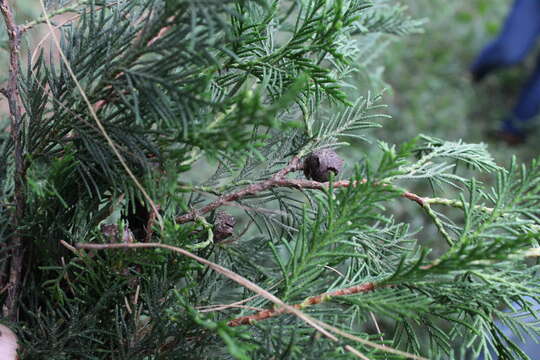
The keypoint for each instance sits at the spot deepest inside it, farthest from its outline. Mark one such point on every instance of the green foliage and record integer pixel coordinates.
(208, 98)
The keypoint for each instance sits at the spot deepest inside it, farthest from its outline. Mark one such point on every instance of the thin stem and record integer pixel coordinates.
(438, 223)
(310, 301)
(278, 180)
(455, 203)
(12, 94)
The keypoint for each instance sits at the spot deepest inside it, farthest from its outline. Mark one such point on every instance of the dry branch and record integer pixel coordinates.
(279, 180)
(313, 300)
(12, 94)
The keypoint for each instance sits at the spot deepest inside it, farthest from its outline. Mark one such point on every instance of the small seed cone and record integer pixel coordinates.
(223, 225)
(319, 164)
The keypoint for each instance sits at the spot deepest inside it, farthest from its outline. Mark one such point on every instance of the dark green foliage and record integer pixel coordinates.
(204, 98)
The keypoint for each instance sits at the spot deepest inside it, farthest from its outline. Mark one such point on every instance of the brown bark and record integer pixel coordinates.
(279, 180)
(313, 300)
(12, 95)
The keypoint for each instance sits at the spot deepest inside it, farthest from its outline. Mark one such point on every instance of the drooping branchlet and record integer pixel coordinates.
(318, 164)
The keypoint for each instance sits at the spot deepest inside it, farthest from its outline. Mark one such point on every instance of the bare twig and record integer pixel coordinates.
(356, 352)
(12, 94)
(210, 308)
(279, 180)
(381, 347)
(374, 319)
(313, 300)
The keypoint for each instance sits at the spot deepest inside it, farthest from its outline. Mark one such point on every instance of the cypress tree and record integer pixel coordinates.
(174, 186)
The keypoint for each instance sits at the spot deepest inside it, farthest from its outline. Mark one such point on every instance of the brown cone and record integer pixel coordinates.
(223, 225)
(318, 164)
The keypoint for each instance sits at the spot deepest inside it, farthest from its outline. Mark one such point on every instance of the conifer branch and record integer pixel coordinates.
(316, 324)
(13, 97)
(279, 180)
(310, 301)
(220, 269)
(228, 79)
(100, 126)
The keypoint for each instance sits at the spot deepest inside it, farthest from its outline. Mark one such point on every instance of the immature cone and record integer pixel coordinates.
(112, 234)
(318, 164)
(223, 225)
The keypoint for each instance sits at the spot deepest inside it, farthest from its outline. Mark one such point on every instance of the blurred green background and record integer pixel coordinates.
(431, 90)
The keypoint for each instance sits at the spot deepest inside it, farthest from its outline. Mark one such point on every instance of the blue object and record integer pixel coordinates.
(530, 345)
(518, 36)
